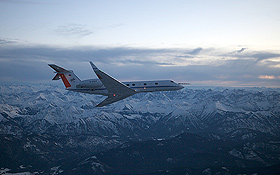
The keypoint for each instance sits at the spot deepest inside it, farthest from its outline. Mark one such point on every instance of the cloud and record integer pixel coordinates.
(264, 55)
(73, 30)
(4, 41)
(269, 77)
(241, 50)
(257, 58)
(9, 41)
(145, 62)
(257, 55)
(29, 64)
(195, 51)
(80, 30)
(238, 51)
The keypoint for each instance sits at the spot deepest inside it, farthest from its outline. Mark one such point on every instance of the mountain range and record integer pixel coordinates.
(45, 129)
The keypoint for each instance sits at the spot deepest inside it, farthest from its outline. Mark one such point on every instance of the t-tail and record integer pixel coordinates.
(68, 77)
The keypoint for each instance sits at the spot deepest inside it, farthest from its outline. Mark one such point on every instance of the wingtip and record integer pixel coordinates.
(93, 66)
(99, 105)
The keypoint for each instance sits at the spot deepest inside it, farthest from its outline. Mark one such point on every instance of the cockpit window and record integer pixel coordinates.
(172, 81)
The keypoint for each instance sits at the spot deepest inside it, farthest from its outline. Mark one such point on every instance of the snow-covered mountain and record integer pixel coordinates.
(38, 120)
(48, 109)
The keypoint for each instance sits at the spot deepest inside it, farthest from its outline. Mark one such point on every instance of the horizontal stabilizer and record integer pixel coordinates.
(56, 77)
(58, 69)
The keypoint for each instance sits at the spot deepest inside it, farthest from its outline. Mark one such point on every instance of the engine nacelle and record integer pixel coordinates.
(92, 84)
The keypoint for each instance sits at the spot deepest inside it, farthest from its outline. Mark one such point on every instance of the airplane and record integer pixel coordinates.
(109, 86)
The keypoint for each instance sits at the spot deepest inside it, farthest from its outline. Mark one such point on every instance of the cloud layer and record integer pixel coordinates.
(199, 66)
(73, 30)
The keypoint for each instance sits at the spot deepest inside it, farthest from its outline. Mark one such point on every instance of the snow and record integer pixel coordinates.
(44, 109)
(6, 172)
(40, 106)
(133, 116)
(56, 170)
(236, 153)
(1, 118)
(251, 155)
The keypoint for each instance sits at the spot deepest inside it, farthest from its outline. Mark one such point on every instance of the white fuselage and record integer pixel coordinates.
(94, 86)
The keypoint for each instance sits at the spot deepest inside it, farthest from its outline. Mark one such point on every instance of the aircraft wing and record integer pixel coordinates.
(117, 90)
(112, 99)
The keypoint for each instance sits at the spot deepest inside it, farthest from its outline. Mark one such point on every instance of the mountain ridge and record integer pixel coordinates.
(44, 118)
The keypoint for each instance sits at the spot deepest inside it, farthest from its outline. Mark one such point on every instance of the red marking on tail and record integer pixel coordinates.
(99, 76)
(65, 81)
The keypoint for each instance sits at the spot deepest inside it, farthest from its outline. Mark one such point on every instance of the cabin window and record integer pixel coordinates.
(133, 84)
(156, 83)
(145, 84)
(127, 84)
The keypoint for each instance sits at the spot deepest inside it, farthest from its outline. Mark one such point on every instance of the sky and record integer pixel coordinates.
(232, 43)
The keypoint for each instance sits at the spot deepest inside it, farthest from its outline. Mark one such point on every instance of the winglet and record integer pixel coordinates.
(93, 66)
(96, 70)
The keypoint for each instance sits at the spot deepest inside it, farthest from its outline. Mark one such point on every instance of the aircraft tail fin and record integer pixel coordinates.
(68, 77)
